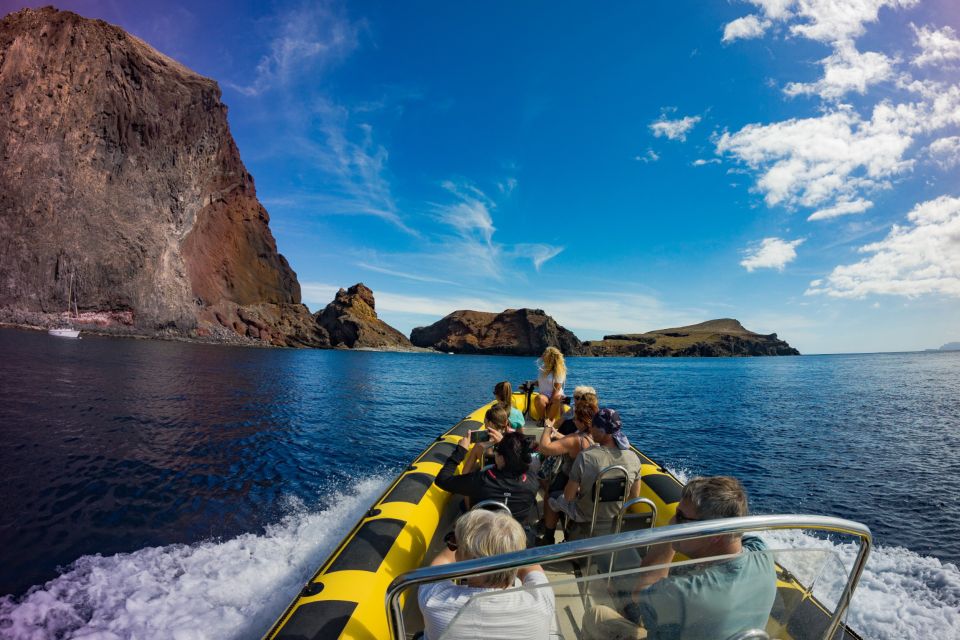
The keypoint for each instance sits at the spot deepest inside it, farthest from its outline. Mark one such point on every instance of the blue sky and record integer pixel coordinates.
(630, 166)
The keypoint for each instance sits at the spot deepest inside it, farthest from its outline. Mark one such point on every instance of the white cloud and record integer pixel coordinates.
(919, 259)
(400, 274)
(771, 253)
(821, 20)
(470, 215)
(834, 20)
(313, 37)
(537, 253)
(744, 28)
(774, 9)
(846, 70)
(699, 162)
(649, 156)
(674, 129)
(841, 209)
(937, 46)
(945, 151)
(812, 161)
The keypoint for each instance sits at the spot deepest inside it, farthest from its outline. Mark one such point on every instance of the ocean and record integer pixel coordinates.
(177, 490)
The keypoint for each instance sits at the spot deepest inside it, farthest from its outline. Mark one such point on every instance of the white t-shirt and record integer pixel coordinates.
(511, 614)
(545, 383)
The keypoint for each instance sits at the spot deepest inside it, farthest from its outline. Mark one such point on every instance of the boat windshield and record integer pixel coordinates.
(771, 589)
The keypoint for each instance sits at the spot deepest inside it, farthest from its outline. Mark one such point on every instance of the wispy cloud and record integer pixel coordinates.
(312, 37)
(913, 260)
(537, 253)
(699, 162)
(676, 129)
(744, 28)
(649, 156)
(841, 209)
(770, 253)
(400, 274)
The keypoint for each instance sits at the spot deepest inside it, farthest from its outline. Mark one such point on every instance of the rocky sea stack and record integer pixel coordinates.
(120, 175)
(516, 332)
(351, 321)
(723, 337)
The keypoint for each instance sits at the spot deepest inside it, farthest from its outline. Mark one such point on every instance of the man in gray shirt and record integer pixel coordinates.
(714, 599)
(612, 448)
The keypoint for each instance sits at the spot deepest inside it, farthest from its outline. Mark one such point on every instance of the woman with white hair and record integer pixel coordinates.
(499, 611)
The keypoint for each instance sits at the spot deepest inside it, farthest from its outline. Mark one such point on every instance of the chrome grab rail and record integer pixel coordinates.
(493, 505)
(630, 540)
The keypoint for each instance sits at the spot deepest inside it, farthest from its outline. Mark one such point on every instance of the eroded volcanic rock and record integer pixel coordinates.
(119, 172)
(517, 332)
(723, 337)
(351, 321)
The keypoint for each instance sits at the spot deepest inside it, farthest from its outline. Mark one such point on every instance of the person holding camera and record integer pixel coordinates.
(507, 481)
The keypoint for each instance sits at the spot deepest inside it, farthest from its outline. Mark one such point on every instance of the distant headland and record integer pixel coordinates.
(123, 191)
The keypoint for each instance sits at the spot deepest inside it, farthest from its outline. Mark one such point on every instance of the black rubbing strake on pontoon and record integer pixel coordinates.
(664, 486)
(367, 549)
(410, 489)
(439, 452)
(463, 427)
(318, 620)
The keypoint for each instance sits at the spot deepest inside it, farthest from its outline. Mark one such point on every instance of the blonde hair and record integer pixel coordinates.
(553, 363)
(481, 533)
(583, 390)
(586, 407)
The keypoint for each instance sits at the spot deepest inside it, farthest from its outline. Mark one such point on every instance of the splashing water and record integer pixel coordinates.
(232, 589)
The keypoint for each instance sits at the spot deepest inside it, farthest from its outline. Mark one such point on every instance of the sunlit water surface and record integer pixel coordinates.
(163, 489)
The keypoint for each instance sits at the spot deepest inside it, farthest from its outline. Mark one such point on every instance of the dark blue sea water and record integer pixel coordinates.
(204, 465)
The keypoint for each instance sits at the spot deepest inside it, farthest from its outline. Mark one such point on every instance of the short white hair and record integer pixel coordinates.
(481, 533)
(581, 391)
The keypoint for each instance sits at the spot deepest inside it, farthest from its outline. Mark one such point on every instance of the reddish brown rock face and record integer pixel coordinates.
(512, 332)
(119, 171)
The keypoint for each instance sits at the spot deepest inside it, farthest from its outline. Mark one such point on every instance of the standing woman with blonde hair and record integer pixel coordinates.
(553, 373)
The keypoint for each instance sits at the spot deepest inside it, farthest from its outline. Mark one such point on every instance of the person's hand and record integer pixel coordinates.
(464, 442)
(495, 436)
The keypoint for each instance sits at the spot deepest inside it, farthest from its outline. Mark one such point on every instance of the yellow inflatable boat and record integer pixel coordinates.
(351, 594)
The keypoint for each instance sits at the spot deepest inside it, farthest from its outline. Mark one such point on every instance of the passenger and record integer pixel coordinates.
(569, 447)
(496, 422)
(698, 601)
(612, 448)
(508, 481)
(505, 616)
(553, 373)
(504, 394)
(567, 426)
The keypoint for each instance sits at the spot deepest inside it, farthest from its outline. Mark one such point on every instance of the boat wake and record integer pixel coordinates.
(214, 589)
(235, 589)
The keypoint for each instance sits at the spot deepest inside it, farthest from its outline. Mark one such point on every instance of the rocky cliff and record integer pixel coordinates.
(516, 332)
(351, 321)
(723, 337)
(119, 173)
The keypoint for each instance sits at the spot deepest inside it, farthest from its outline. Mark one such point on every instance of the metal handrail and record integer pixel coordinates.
(598, 485)
(632, 539)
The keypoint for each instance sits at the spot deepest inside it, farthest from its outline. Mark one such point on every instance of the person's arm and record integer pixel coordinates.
(658, 554)
(571, 489)
(550, 447)
(447, 480)
(474, 459)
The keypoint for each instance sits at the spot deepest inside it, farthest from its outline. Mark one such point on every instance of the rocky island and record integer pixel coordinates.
(723, 337)
(515, 332)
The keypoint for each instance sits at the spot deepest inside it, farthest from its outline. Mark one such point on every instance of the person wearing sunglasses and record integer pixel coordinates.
(712, 599)
(528, 613)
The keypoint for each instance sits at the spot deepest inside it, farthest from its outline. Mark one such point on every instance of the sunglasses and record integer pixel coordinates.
(451, 540)
(680, 517)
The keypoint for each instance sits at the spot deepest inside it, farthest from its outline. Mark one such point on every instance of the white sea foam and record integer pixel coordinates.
(901, 594)
(214, 589)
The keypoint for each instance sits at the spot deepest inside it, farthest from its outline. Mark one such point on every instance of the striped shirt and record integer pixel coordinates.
(511, 614)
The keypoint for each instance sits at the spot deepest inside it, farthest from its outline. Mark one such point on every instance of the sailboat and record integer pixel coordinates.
(67, 331)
